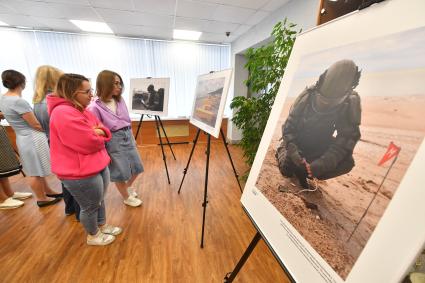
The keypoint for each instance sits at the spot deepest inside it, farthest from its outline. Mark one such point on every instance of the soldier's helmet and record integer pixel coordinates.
(337, 82)
(151, 88)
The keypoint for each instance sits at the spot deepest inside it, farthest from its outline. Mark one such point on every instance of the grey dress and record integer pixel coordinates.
(32, 144)
(40, 111)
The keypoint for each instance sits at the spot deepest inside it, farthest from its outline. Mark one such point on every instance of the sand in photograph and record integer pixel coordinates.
(327, 217)
(208, 98)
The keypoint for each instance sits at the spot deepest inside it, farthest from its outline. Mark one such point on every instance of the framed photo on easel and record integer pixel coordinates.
(149, 96)
(210, 99)
(335, 187)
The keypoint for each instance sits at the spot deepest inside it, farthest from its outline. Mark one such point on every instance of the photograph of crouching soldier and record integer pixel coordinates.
(347, 125)
(322, 129)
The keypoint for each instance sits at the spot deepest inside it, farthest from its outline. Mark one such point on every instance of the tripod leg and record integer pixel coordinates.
(168, 142)
(230, 158)
(204, 204)
(162, 148)
(190, 157)
(138, 127)
(230, 277)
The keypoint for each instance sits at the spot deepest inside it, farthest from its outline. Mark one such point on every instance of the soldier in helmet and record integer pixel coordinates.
(322, 128)
(152, 94)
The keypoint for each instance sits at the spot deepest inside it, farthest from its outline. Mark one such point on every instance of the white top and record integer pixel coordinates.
(112, 105)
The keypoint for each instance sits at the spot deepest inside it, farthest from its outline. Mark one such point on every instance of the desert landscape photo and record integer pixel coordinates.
(327, 217)
(208, 98)
(392, 96)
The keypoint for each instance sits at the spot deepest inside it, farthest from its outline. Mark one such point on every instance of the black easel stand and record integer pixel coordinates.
(158, 123)
(190, 157)
(230, 158)
(231, 275)
(138, 126)
(204, 204)
(162, 148)
(207, 152)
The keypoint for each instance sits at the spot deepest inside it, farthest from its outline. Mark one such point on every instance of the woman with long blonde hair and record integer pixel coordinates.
(46, 79)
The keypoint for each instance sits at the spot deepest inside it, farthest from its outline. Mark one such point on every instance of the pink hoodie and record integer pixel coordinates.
(76, 151)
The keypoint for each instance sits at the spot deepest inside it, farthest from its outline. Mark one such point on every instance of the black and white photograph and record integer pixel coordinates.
(149, 96)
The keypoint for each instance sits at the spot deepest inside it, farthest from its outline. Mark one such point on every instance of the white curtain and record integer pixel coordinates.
(24, 51)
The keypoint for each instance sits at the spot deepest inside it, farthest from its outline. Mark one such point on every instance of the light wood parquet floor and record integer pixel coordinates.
(161, 239)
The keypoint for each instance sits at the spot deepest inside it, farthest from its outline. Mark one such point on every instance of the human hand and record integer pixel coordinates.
(294, 155)
(99, 132)
(308, 169)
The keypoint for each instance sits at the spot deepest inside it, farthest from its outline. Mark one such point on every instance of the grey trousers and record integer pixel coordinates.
(89, 194)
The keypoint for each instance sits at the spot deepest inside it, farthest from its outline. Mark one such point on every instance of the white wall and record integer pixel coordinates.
(238, 87)
(300, 12)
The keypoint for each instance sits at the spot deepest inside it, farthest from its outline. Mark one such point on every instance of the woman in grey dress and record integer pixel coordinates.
(30, 139)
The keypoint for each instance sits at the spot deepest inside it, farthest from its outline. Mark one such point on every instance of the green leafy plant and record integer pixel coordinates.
(266, 66)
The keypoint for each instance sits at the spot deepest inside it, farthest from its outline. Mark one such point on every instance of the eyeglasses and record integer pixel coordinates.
(88, 91)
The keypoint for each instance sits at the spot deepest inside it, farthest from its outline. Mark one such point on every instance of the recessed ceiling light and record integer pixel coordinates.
(92, 26)
(3, 24)
(186, 34)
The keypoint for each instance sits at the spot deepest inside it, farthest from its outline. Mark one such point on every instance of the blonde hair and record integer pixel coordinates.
(68, 85)
(105, 85)
(46, 79)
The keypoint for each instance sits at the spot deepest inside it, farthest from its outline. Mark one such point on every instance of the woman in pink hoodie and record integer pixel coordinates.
(78, 154)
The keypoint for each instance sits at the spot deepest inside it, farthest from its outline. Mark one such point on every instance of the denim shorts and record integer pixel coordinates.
(125, 159)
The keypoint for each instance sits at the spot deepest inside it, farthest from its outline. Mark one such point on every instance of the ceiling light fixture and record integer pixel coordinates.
(91, 26)
(186, 34)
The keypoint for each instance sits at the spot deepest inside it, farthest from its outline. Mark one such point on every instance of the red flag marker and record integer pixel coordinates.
(392, 151)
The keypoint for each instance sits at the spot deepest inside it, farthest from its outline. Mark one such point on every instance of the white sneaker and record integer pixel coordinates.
(100, 239)
(132, 201)
(21, 195)
(111, 230)
(132, 192)
(11, 203)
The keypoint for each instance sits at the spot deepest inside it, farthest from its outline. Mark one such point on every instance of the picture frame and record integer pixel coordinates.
(209, 102)
(149, 96)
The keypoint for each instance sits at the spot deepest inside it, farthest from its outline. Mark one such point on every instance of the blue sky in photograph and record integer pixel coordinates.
(391, 65)
(399, 51)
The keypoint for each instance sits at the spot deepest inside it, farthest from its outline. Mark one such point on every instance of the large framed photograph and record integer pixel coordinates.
(336, 187)
(210, 99)
(149, 96)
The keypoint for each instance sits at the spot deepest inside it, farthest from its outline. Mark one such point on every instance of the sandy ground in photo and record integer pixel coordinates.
(327, 217)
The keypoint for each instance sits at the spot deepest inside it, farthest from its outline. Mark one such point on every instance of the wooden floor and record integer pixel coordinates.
(161, 239)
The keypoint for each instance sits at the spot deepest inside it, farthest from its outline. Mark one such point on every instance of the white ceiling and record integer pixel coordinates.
(143, 18)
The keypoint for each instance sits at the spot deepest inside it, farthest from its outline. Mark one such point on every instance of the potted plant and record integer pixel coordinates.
(266, 66)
